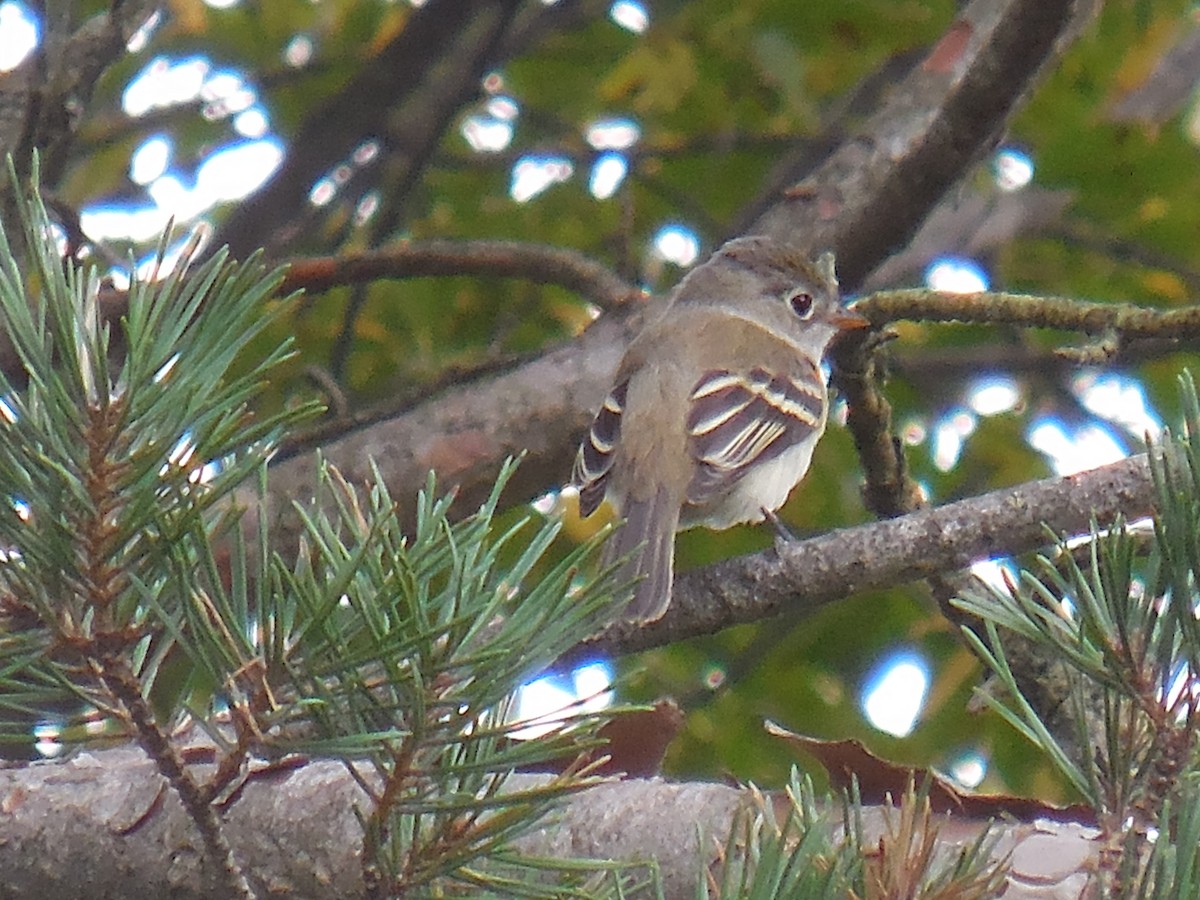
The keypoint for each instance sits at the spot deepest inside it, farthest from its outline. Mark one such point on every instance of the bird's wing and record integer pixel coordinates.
(739, 419)
(594, 461)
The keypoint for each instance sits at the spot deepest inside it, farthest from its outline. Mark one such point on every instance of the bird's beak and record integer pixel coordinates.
(849, 320)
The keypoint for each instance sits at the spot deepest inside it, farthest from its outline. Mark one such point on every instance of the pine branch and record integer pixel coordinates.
(396, 652)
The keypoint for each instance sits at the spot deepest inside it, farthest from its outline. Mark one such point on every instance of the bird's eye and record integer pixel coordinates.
(801, 303)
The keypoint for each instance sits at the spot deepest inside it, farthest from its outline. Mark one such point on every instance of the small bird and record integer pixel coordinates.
(716, 408)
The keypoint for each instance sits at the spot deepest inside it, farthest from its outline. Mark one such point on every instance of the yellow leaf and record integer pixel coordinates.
(1153, 209)
(654, 77)
(1166, 284)
(1146, 51)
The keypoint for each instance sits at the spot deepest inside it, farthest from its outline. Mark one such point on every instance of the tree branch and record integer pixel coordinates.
(963, 92)
(995, 308)
(403, 98)
(538, 263)
(811, 573)
(297, 833)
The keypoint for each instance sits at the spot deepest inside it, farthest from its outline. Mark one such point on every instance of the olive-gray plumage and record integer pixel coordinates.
(716, 407)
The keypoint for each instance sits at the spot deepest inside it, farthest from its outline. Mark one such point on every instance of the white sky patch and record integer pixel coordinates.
(220, 84)
(225, 93)
(112, 222)
(253, 123)
(956, 275)
(492, 130)
(365, 152)
(299, 51)
(1118, 399)
(238, 170)
(608, 172)
(969, 769)
(1182, 681)
(533, 174)
(22, 509)
(630, 15)
(506, 109)
(1012, 168)
(150, 160)
(544, 702)
(895, 692)
(221, 4)
(546, 503)
(59, 236)
(48, 736)
(486, 134)
(164, 371)
(993, 394)
(206, 473)
(181, 454)
(164, 83)
(173, 198)
(230, 173)
(366, 207)
(991, 572)
(949, 435)
(1078, 450)
(676, 244)
(612, 134)
(322, 192)
(18, 34)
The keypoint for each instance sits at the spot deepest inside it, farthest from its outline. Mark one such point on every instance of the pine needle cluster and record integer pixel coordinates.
(138, 600)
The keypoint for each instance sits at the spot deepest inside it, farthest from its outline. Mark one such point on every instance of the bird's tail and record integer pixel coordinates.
(645, 546)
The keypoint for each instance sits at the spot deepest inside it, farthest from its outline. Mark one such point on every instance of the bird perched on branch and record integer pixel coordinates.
(716, 407)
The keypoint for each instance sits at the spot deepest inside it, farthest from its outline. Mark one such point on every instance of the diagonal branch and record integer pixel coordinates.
(811, 573)
(870, 197)
(418, 80)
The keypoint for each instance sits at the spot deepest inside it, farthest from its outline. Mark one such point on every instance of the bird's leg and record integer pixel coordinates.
(782, 532)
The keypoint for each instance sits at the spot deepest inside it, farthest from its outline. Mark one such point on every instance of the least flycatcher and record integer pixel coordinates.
(717, 406)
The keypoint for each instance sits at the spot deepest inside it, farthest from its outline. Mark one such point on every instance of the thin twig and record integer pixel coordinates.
(538, 263)
(125, 687)
(1063, 313)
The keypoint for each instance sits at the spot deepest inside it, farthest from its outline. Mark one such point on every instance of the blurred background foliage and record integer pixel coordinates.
(1103, 206)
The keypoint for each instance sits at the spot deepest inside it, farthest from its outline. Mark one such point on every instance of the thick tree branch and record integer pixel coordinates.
(101, 825)
(538, 409)
(872, 194)
(811, 573)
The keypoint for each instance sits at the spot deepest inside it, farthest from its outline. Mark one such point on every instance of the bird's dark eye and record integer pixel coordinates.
(801, 303)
